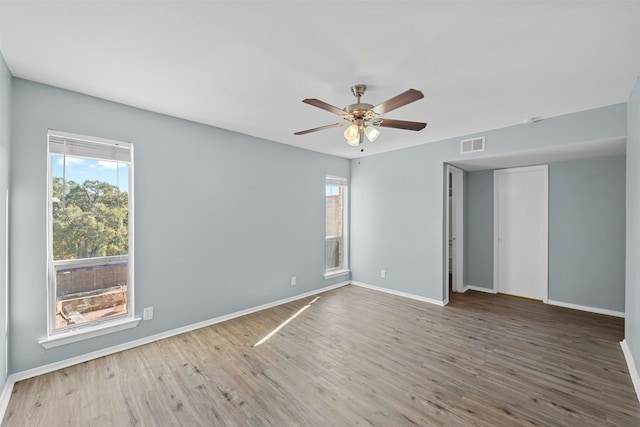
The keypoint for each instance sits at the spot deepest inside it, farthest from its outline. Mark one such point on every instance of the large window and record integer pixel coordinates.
(336, 203)
(90, 238)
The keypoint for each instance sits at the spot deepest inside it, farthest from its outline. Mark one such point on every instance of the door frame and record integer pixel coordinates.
(496, 224)
(457, 214)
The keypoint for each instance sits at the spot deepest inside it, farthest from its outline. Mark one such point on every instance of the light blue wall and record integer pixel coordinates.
(478, 229)
(587, 232)
(397, 203)
(632, 305)
(198, 192)
(393, 210)
(5, 154)
(222, 220)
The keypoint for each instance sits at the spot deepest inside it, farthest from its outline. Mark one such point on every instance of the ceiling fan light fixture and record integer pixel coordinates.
(352, 135)
(371, 133)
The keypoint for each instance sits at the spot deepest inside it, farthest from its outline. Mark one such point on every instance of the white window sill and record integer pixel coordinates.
(89, 332)
(336, 273)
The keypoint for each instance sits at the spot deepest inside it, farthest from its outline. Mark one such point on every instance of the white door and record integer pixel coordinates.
(521, 232)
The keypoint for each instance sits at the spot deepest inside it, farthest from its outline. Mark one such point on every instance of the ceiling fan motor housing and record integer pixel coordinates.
(360, 110)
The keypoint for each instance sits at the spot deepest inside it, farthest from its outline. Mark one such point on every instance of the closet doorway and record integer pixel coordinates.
(454, 228)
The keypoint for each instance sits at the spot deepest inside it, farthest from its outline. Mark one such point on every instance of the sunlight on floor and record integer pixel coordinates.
(283, 324)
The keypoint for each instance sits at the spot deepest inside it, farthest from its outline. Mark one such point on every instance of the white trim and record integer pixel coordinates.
(336, 273)
(457, 206)
(457, 183)
(633, 372)
(401, 294)
(586, 308)
(346, 227)
(131, 261)
(89, 262)
(6, 395)
(446, 235)
(478, 288)
(5, 282)
(557, 303)
(89, 331)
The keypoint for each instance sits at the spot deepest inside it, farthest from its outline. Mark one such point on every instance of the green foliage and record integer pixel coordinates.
(91, 220)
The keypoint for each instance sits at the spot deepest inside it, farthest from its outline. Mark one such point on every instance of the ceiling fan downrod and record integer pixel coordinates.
(358, 91)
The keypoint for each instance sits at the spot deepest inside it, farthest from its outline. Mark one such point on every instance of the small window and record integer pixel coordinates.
(336, 202)
(89, 231)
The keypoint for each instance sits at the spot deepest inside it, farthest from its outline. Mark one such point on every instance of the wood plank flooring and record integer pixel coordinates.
(356, 357)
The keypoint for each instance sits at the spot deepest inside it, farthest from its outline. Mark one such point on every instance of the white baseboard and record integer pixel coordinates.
(477, 288)
(398, 293)
(586, 308)
(633, 372)
(45, 369)
(551, 302)
(6, 396)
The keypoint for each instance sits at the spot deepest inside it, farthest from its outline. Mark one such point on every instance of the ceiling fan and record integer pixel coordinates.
(365, 117)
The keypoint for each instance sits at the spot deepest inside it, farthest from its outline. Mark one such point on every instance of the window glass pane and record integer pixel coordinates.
(334, 226)
(90, 238)
(334, 253)
(90, 208)
(334, 213)
(90, 292)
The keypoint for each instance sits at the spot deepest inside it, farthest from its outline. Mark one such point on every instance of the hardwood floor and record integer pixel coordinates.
(356, 357)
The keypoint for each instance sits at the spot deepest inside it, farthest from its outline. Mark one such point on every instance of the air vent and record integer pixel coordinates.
(472, 145)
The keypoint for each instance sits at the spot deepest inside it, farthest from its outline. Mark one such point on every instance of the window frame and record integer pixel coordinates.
(345, 269)
(85, 330)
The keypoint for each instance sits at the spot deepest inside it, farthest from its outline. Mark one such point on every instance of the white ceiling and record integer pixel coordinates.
(247, 65)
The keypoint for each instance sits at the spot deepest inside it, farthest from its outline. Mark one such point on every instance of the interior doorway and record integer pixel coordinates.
(454, 241)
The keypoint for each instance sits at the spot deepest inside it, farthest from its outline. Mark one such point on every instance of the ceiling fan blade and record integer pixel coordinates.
(321, 104)
(398, 101)
(303, 132)
(400, 124)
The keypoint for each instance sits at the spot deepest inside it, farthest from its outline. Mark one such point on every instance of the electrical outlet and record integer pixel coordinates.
(147, 314)
(294, 281)
(383, 274)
